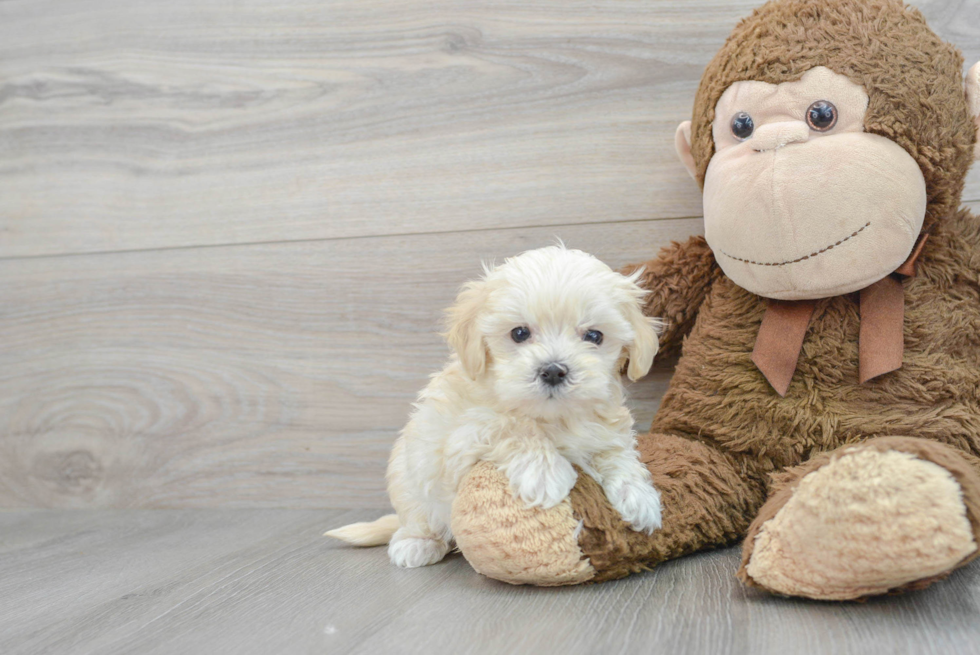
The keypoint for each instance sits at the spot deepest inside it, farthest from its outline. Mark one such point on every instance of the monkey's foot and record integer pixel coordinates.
(887, 515)
(505, 539)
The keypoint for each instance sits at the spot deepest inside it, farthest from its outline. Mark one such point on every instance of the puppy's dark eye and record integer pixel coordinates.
(593, 336)
(520, 334)
(742, 126)
(821, 116)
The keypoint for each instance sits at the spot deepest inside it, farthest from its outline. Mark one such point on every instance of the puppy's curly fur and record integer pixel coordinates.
(534, 386)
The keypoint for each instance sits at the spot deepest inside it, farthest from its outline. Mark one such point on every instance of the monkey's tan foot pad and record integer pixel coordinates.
(504, 539)
(867, 522)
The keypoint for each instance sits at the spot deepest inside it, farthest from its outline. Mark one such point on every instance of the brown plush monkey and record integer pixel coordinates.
(826, 405)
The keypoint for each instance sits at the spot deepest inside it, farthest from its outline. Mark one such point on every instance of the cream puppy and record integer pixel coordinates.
(534, 386)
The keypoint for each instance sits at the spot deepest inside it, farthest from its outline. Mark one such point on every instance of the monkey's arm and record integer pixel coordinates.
(678, 281)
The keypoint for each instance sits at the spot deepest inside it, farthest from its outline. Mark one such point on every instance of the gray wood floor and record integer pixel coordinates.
(264, 581)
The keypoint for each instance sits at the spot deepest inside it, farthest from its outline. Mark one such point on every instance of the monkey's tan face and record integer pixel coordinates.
(799, 201)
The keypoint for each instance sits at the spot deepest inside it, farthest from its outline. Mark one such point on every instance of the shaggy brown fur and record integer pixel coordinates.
(721, 430)
(723, 441)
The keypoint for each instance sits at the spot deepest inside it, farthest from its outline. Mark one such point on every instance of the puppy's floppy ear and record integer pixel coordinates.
(463, 335)
(645, 344)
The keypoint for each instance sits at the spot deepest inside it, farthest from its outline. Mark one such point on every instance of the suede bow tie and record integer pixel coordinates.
(880, 340)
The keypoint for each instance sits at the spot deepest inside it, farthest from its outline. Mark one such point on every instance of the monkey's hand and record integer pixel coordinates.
(678, 281)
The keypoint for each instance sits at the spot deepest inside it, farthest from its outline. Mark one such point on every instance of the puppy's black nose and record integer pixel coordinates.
(553, 374)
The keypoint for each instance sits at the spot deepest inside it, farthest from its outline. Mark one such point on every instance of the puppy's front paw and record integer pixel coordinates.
(638, 503)
(543, 479)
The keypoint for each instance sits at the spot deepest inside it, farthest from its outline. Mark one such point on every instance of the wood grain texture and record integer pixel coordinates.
(265, 581)
(178, 369)
(134, 124)
(265, 375)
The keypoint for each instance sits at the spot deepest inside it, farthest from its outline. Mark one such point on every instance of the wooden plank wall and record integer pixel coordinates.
(227, 228)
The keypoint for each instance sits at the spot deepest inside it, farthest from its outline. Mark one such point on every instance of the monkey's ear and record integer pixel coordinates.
(682, 143)
(464, 335)
(973, 98)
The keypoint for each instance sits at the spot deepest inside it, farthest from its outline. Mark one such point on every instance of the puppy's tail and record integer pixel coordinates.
(375, 533)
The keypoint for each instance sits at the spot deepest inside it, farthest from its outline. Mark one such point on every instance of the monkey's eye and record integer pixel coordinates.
(593, 336)
(821, 116)
(520, 334)
(742, 126)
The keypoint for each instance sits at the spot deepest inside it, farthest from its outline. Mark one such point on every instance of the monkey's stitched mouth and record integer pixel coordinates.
(805, 257)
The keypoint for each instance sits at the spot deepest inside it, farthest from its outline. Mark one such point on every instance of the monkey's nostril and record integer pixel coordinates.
(553, 374)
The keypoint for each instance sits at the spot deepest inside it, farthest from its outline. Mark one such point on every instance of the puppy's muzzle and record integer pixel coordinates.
(553, 374)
